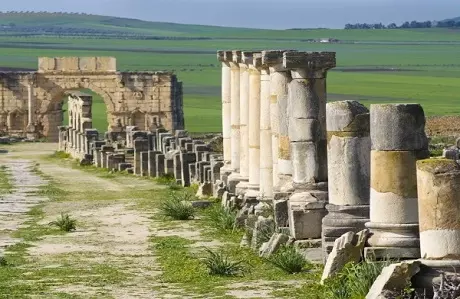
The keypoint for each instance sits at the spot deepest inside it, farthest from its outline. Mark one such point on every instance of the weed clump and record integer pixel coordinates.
(355, 280)
(178, 206)
(65, 223)
(288, 259)
(222, 218)
(219, 264)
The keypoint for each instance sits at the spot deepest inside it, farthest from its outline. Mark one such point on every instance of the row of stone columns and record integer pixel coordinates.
(342, 167)
(259, 143)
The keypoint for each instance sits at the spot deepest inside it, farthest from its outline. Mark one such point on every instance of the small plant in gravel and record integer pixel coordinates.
(288, 259)
(3, 262)
(219, 264)
(65, 223)
(222, 218)
(178, 206)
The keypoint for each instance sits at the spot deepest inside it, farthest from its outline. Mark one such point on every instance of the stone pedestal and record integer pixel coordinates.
(348, 155)
(398, 140)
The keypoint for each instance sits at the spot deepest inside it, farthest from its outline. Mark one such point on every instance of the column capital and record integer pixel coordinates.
(273, 59)
(312, 64)
(225, 56)
(247, 57)
(236, 57)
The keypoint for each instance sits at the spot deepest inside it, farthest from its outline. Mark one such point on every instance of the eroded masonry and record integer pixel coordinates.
(31, 102)
(340, 182)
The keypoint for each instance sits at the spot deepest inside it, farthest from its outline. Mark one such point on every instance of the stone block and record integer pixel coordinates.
(275, 242)
(281, 212)
(398, 127)
(348, 248)
(393, 279)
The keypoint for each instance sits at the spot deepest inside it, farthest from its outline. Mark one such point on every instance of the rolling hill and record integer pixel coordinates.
(96, 26)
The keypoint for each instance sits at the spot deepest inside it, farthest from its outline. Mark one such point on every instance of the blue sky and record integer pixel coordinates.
(254, 13)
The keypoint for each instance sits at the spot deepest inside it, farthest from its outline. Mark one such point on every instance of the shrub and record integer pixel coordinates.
(289, 260)
(178, 207)
(222, 218)
(65, 223)
(61, 155)
(219, 264)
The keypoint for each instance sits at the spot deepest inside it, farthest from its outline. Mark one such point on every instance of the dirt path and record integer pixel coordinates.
(111, 254)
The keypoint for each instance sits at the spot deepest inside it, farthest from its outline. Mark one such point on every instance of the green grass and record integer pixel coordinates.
(5, 184)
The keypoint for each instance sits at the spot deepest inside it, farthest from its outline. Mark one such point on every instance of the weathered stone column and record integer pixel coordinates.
(254, 124)
(29, 105)
(307, 135)
(235, 110)
(438, 185)
(246, 59)
(226, 57)
(279, 80)
(237, 151)
(348, 159)
(266, 159)
(398, 140)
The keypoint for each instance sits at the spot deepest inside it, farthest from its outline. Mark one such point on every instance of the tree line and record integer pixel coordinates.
(406, 25)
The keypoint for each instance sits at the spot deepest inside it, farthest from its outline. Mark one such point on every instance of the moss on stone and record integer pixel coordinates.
(438, 165)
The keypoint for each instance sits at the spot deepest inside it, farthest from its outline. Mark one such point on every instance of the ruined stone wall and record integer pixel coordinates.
(144, 99)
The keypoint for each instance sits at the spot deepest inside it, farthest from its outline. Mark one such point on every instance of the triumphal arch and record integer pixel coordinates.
(31, 102)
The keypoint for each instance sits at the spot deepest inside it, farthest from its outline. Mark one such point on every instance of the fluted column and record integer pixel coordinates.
(226, 57)
(235, 110)
(239, 103)
(308, 142)
(245, 114)
(398, 140)
(266, 159)
(254, 123)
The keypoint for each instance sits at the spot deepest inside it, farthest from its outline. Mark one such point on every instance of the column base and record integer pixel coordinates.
(305, 214)
(341, 220)
(392, 253)
(225, 172)
(285, 184)
(233, 180)
(242, 186)
(400, 241)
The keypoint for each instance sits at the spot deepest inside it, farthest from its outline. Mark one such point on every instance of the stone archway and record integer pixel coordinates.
(155, 94)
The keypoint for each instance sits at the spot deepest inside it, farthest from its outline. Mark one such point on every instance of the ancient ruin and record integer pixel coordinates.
(31, 102)
(340, 181)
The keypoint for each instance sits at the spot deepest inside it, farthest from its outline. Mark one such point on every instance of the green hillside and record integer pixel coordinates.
(68, 24)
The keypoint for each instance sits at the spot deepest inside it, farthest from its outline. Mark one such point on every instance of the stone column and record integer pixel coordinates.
(398, 140)
(308, 142)
(246, 59)
(226, 57)
(438, 187)
(266, 159)
(235, 178)
(348, 159)
(29, 105)
(279, 80)
(235, 110)
(254, 125)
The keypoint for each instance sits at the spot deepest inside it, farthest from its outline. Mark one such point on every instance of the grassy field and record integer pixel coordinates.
(373, 66)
